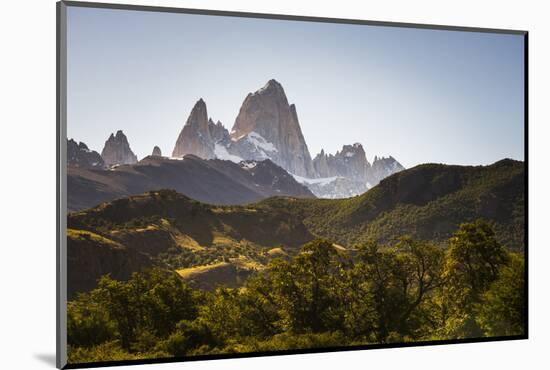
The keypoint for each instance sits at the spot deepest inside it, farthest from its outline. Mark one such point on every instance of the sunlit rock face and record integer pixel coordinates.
(117, 150)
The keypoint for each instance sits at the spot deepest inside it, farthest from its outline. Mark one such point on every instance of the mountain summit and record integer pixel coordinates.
(200, 135)
(79, 155)
(381, 168)
(117, 150)
(157, 152)
(350, 162)
(195, 136)
(267, 126)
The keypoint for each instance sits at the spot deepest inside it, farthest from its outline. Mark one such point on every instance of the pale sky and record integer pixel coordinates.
(419, 95)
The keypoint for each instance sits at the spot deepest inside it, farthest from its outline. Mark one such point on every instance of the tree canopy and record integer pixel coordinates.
(409, 290)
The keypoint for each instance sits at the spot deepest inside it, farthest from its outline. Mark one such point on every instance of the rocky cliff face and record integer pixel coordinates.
(268, 127)
(200, 135)
(157, 152)
(348, 172)
(218, 132)
(381, 168)
(344, 173)
(351, 162)
(195, 136)
(117, 150)
(78, 155)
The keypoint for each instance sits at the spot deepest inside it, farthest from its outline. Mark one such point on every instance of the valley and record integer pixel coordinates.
(167, 229)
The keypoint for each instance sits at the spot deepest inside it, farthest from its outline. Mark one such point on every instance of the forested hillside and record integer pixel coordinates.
(427, 202)
(433, 252)
(322, 297)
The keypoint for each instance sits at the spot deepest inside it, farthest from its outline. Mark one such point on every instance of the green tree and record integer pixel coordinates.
(258, 311)
(305, 291)
(502, 308)
(356, 296)
(88, 323)
(119, 301)
(188, 336)
(146, 307)
(403, 278)
(221, 314)
(472, 263)
(165, 300)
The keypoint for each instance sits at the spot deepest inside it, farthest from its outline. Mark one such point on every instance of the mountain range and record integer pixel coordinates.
(213, 244)
(266, 128)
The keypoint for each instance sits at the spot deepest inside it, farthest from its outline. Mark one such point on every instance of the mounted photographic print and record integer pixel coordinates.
(237, 184)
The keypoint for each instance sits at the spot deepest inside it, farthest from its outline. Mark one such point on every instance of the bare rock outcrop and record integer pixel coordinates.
(267, 126)
(117, 150)
(157, 152)
(200, 134)
(79, 155)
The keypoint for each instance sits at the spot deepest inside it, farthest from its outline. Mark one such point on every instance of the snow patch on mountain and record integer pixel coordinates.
(247, 165)
(334, 187)
(221, 152)
(318, 181)
(259, 142)
(340, 187)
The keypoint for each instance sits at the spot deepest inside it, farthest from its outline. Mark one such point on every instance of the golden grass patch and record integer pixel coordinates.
(190, 272)
(85, 235)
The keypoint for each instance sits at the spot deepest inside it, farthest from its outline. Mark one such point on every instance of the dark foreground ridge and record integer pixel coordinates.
(212, 181)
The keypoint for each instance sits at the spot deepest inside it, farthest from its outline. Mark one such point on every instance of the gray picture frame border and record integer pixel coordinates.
(61, 176)
(61, 186)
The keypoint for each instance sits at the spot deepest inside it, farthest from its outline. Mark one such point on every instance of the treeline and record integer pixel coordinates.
(322, 297)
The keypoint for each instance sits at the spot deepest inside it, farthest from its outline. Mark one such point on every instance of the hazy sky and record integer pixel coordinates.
(419, 95)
